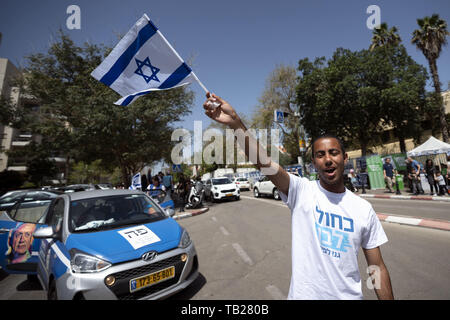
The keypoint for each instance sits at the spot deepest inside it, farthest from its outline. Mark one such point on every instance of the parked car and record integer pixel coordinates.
(242, 183)
(79, 187)
(103, 244)
(265, 187)
(9, 199)
(221, 188)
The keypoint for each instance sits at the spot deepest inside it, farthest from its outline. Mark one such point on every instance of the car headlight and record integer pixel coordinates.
(215, 188)
(84, 263)
(185, 240)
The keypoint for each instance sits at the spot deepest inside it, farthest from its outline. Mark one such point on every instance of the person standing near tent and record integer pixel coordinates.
(430, 171)
(388, 172)
(415, 175)
(329, 222)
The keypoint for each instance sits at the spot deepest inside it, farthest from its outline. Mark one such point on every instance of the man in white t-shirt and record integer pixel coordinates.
(329, 223)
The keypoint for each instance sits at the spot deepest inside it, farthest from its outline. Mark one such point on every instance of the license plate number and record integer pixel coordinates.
(151, 279)
(229, 194)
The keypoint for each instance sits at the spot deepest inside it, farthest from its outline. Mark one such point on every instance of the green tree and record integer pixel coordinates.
(79, 121)
(93, 172)
(403, 101)
(280, 94)
(430, 38)
(39, 168)
(382, 36)
(343, 97)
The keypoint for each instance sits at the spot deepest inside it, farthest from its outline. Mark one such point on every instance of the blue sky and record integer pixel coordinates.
(234, 44)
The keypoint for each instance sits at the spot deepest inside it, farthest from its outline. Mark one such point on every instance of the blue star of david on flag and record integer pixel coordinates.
(146, 62)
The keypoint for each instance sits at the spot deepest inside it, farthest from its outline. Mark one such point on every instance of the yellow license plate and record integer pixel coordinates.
(151, 279)
(229, 194)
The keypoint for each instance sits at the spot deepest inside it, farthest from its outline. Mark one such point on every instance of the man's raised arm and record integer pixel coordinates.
(226, 114)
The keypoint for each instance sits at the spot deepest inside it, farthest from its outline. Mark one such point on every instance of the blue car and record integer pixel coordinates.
(105, 244)
(20, 212)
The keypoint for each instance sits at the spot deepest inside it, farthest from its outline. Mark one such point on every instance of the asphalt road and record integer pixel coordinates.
(412, 208)
(244, 253)
(417, 258)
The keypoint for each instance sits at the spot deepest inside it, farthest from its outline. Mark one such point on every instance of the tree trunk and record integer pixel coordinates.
(437, 88)
(363, 145)
(401, 140)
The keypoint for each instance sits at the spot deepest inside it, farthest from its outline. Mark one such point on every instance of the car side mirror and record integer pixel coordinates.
(45, 233)
(170, 212)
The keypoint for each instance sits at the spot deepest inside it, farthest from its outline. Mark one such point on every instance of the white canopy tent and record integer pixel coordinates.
(432, 146)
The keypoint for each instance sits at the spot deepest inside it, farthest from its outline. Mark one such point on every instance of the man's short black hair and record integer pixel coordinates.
(328, 135)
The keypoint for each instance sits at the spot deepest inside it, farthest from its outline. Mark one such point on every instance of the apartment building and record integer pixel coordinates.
(12, 138)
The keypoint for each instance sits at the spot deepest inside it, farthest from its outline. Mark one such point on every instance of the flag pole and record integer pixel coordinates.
(178, 56)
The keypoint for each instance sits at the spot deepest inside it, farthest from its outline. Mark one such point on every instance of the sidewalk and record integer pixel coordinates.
(405, 195)
(428, 223)
(421, 222)
(189, 213)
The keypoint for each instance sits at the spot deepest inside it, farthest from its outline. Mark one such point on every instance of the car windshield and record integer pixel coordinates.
(30, 211)
(221, 181)
(102, 213)
(12, 196)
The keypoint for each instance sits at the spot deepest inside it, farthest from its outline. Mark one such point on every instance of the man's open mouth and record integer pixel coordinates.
(330, 171)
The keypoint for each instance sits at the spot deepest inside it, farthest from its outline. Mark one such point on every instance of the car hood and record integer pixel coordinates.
(112, 246)
(225, 186)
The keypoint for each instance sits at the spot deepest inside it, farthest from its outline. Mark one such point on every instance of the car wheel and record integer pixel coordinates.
(256, 193)
(276, 194)
(237, 198)
(52, 294)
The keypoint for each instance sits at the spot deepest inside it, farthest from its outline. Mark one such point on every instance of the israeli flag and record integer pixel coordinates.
(143, 61)
(136, 182)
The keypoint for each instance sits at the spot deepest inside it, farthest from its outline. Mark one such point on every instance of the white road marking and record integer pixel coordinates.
(242, 253)
(224, 231)
(275, 292)
(214, 219)
(403, 220)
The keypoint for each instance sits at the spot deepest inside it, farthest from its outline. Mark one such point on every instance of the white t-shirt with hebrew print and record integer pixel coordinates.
(327, 231)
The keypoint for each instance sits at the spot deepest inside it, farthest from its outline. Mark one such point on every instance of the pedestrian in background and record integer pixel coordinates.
(388, 172)
(181, 191)
(155, 188)
(415, 182)
(442, 185)
(415, 176)
(447, 173)
(353, 180)
(167, 183)
(430, 171)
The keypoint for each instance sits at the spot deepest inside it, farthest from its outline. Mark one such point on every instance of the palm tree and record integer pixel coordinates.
(382, 36)
(430, 38)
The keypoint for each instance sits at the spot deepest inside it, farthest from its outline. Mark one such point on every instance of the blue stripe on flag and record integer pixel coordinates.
(176, 77)
(130, 98)
(120, 65)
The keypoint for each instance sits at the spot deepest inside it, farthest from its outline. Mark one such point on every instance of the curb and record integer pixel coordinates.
(420, 222)
(191, 214)
(382, 196)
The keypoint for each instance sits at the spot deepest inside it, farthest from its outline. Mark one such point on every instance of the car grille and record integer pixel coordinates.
(121, 287)
(229, 190)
